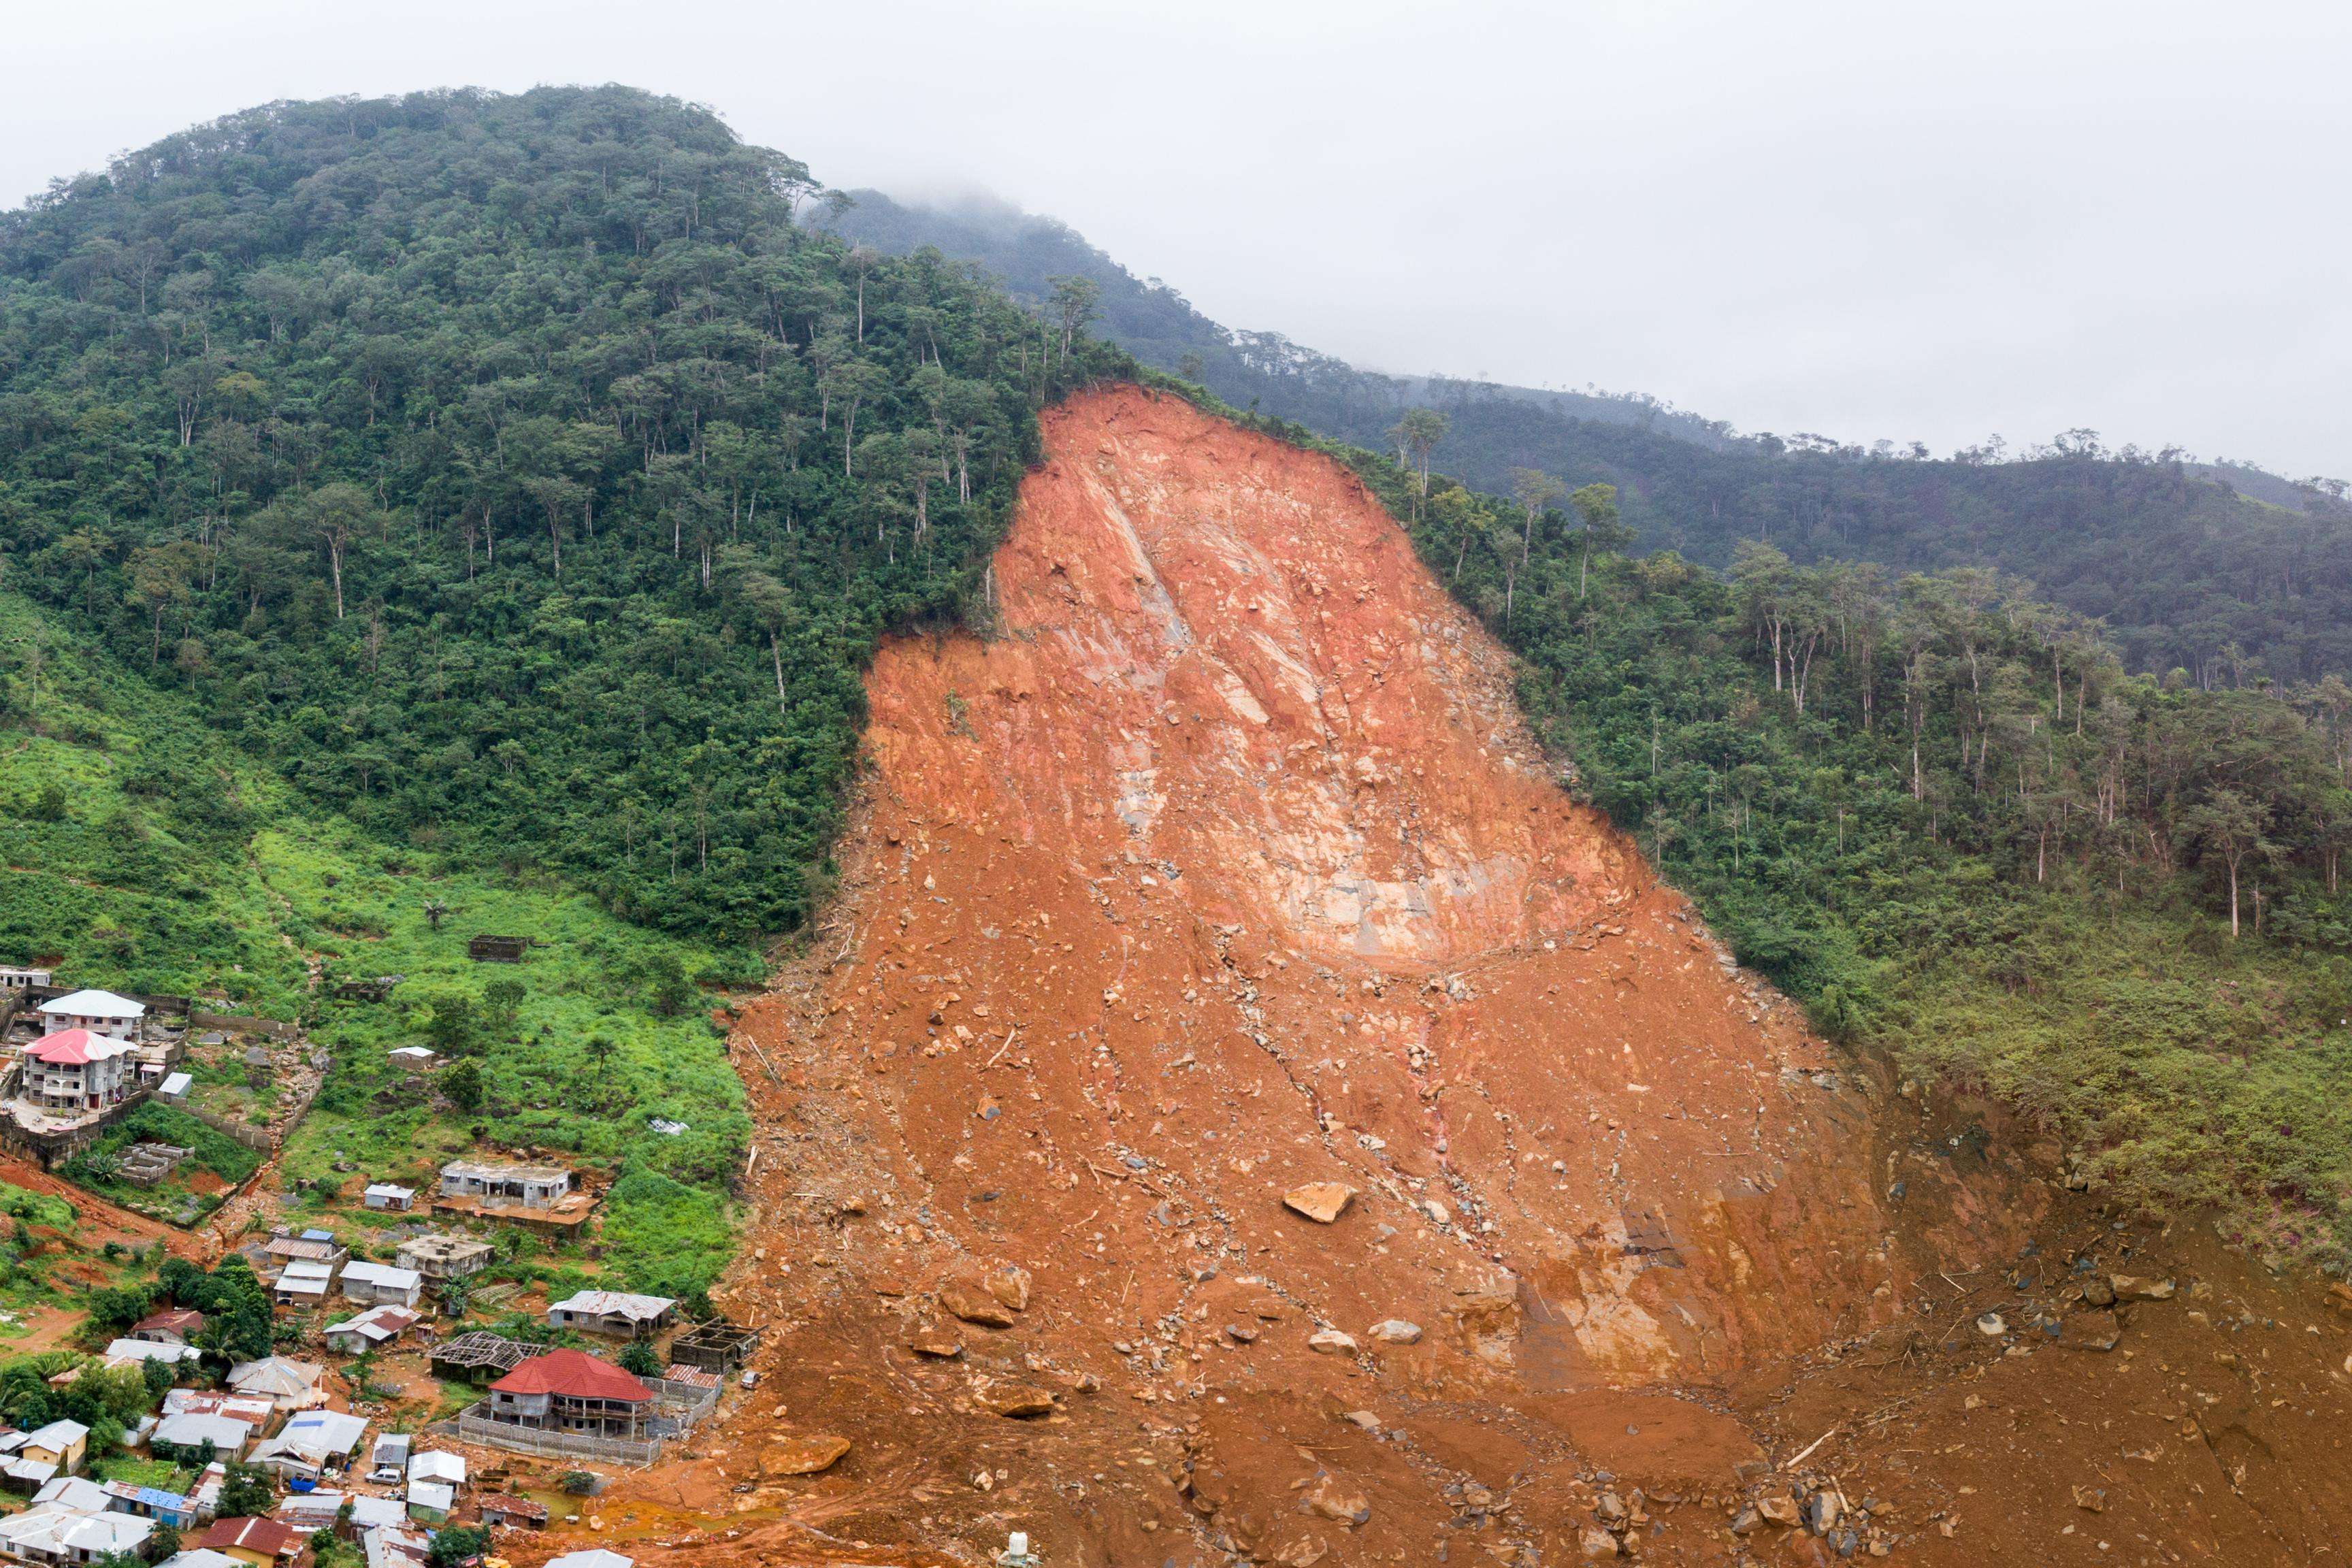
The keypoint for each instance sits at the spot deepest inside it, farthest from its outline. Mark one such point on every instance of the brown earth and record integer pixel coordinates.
(1227, 866)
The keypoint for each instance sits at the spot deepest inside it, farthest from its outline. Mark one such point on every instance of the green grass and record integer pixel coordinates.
(178, 866)
(24, 1285)
(212, 1151)
(137, 1472)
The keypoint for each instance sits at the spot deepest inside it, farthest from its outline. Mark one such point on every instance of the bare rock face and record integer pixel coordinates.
(1322, 1202)
(803, 1456)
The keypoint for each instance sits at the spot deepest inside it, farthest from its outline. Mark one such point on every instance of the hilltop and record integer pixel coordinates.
(2226, 573)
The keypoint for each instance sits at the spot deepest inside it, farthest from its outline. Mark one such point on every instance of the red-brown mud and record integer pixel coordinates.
(1223, 866)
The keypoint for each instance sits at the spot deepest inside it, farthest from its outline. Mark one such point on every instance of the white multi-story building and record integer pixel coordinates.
(100, 1011)
(74, 1069)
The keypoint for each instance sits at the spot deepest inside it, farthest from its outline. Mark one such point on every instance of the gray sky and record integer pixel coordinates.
(1927, 220)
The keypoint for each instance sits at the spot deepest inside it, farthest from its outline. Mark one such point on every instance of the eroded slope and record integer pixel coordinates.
(1225, 869)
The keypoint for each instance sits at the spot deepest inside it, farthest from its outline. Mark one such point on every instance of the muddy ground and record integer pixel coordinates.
(1223, 873)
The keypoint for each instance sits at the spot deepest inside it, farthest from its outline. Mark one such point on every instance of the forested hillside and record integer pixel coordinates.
(1950, 820)
(514, 474)
(2185, 571)
(141, 849)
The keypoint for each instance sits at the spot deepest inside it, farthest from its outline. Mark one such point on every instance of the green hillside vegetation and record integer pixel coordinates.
(2121, 909)
(2185, 569)
(513, 474)
(144, 852)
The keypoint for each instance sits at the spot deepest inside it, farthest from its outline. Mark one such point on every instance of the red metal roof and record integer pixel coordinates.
(66, 1048)
(575, 1375)
(182, 1318)
(254, 1535)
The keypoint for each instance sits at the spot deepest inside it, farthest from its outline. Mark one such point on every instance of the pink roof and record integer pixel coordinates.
(71, 1047)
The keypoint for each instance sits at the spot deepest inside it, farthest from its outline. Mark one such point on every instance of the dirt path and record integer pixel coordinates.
(1227, 869)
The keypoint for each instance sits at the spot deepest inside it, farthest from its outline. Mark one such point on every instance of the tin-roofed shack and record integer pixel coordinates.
(498, 949)
(478, 1357)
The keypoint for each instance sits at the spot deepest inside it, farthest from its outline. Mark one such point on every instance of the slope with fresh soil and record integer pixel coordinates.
(1222, 871)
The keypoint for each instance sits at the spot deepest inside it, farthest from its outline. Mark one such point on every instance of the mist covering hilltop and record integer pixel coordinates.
(2223, 570)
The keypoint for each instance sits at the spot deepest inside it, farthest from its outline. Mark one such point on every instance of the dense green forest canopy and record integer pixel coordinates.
(2186, 571)
(516, 473)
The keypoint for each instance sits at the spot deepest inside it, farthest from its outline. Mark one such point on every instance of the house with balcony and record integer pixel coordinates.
(78, 1070)
(571, 1391)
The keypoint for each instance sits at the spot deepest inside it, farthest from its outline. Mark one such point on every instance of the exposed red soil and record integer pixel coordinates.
(101, 1221)
(1227, 866)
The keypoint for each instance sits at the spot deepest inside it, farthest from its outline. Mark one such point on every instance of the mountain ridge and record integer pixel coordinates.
(2183, 568)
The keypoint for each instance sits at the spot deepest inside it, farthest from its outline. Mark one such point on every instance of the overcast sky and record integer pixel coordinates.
(1931, 221)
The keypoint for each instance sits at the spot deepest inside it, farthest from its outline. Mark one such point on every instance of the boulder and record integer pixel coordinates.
(1992, 1325)
(2097, 1292)
(1596, 1543)
(1779, 1509)
(1020, 1401)
(2132, 1288)
(1331, 1342)
(1008, 1285)
(1303, 1554)
(2100, 1331)
(1335, 1500)
(1241, 1334)
(1319, 1201)
(803, 1456)
(1395, 1332)
(972, 1301)
(936, 1341)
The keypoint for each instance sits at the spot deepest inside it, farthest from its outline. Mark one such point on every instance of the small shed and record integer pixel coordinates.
(500, 1510)
(384, 1196)
(498, 949)
(368, 1330)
